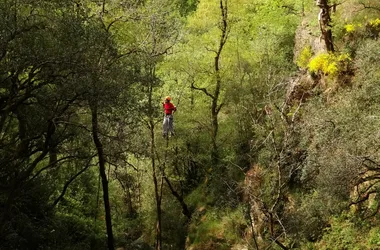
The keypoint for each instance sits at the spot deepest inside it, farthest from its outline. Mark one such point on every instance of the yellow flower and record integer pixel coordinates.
(328, 64)
(304, 57)
(375, 23)
(349, 28)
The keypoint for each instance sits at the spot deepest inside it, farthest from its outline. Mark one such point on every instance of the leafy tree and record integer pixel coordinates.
(49, 66)
(158, 23)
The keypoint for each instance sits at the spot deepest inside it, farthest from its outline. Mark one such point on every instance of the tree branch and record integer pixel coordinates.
(369, 7)
(219, 107)
(185, 209)
(280, 244)
(204, 90)
(363, 199)
(51, 164)
(65, 187)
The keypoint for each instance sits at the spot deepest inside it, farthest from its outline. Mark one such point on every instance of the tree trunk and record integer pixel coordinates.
(185, 209)
(158, 196)
(157, 186)
(215, 94)
(157, 191)
(102, 171)
(215, 107)
(324, 20)
(215, 128)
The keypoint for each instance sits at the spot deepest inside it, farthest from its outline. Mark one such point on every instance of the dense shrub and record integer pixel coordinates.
(304, 57)
(217, 229)
(329, 64)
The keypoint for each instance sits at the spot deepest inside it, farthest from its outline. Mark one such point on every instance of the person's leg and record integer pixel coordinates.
(171, 125)
(165, 126)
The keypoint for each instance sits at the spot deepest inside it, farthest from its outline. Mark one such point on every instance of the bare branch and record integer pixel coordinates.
(211, 50)
(66, 186)
(126, 162)
(219, 107)
(204, 90)
(298, 108)
(365, 6)
(363, 199)
(185, 209)
(63, 159)
(113, 22)
(280, 244)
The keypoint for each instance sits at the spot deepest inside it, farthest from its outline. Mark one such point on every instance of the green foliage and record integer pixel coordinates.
(187, 6)
(57, 57)
(29, 225)
(217, 229)
(344, 233)
(334, 131)
(370, 28)
(175, 225)
(198, 198)
(70, 231)
(51, 64)
(374, 237)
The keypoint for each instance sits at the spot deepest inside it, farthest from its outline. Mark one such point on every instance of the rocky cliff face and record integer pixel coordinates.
(306, 36)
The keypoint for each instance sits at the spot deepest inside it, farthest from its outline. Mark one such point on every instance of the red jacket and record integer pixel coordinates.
(169, 108)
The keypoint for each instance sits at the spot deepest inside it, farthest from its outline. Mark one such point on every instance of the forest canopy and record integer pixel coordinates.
(275, 113)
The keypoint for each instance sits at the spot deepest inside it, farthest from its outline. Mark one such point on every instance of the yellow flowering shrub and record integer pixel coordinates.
(375, 23)
(329, 64)
(304, 57)
(373, 28)
(320, 63)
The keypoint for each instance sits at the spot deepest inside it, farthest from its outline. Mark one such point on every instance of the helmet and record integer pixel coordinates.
(168, 98)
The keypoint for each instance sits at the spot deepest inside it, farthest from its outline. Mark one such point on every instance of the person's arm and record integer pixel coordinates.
(172, 107)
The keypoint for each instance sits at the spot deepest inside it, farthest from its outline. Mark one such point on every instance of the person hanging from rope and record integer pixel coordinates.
(169, 109)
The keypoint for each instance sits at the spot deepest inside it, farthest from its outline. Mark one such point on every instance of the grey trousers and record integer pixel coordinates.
(168, 125)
